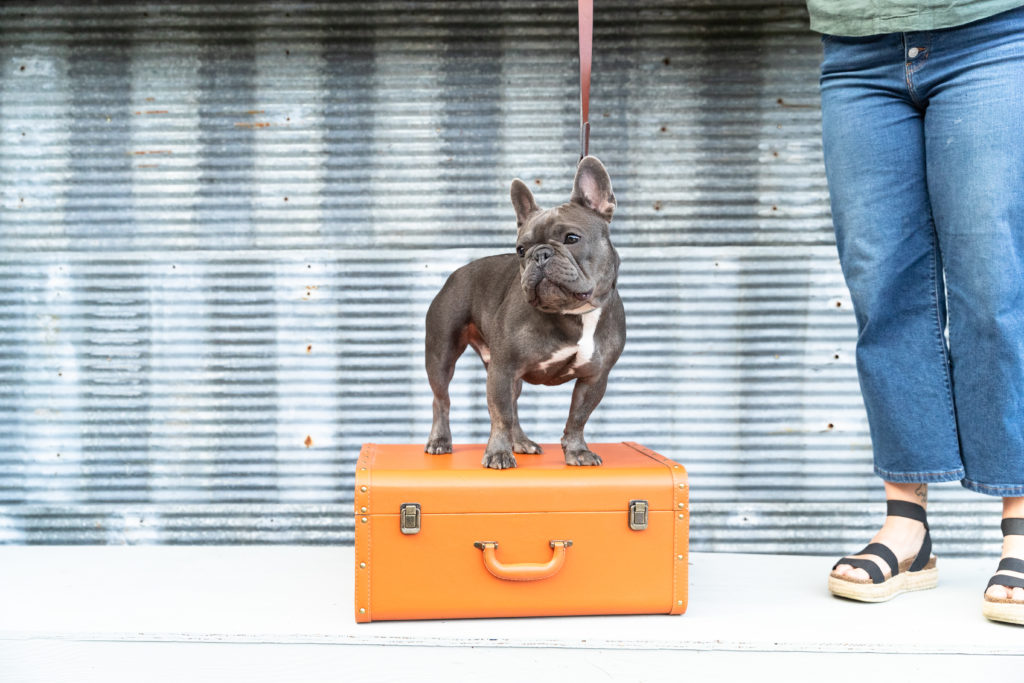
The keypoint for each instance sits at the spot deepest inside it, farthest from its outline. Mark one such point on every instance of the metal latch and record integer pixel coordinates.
(638, 515)
(409, 518)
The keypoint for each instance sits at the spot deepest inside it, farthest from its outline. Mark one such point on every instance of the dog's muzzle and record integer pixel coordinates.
(552, 281)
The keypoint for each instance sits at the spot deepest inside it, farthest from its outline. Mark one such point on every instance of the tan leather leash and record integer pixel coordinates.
(586, 14)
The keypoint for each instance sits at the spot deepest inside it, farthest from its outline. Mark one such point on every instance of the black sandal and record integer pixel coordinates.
(1007, 609)
(913, 574)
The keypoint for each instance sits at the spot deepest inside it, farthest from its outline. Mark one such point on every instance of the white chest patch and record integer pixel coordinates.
(585, 346)
(558, 356)
(583, 350)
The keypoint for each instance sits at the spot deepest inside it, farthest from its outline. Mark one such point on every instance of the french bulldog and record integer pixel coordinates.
(546, 314)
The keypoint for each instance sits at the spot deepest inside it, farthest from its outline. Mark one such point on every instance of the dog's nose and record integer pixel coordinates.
(542, 255)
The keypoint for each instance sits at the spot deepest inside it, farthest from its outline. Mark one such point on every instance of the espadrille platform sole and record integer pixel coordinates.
(866, 591)
(1003, 610)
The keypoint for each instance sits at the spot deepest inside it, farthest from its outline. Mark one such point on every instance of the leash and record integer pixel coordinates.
(586, 14)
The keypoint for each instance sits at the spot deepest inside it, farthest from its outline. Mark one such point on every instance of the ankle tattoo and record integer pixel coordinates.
(922, 493)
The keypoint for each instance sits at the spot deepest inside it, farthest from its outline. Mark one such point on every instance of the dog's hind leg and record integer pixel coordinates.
(446, 340)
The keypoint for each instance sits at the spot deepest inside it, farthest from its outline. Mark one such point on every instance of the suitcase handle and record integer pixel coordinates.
(524, 571)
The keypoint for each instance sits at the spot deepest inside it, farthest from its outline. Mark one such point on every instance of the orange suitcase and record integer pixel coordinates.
(440, 536)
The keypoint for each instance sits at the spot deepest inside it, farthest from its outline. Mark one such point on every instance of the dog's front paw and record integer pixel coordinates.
(499, 460)
(439, 446)
(582, 457)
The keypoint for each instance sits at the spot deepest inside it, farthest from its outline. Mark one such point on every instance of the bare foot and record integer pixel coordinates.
(1013, 546)
(901, 535)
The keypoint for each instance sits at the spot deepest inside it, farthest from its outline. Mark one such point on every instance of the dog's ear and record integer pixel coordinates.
(593, 188)
(522, 201)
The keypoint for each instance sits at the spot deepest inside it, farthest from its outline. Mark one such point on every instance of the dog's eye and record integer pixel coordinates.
(572, 238)
(521, 250)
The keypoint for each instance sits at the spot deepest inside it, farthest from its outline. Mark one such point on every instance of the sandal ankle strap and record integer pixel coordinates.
(904, 508)
(1013, 526)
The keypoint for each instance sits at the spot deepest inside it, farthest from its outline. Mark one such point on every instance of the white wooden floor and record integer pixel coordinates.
(151, 613)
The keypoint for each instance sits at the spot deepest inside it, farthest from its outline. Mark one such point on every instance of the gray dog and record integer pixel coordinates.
(547, 314)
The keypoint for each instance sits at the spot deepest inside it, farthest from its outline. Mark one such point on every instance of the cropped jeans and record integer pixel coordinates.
(924, 151)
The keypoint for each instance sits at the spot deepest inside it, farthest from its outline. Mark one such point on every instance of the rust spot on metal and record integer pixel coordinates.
(157, 111)
(253, 112)
(152, 151)
(782, 103)
(309, 348)
(308, 441)
(657, 206)
(258, 124)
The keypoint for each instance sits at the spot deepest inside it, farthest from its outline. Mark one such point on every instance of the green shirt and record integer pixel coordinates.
(870, 17)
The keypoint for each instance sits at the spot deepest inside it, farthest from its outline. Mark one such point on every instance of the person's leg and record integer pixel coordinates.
(975, 156)
(904, 536)
(873, 135)
(1013, 547)
(974, 131)
(873, 138)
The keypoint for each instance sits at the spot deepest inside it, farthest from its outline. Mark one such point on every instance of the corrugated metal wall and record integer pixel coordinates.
(221, 225)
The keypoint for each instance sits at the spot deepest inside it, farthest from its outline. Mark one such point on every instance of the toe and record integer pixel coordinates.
(996, 592)
(852, 573)
(859, 575)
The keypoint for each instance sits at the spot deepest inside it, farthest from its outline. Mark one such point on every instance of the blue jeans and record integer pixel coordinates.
(924, 151)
